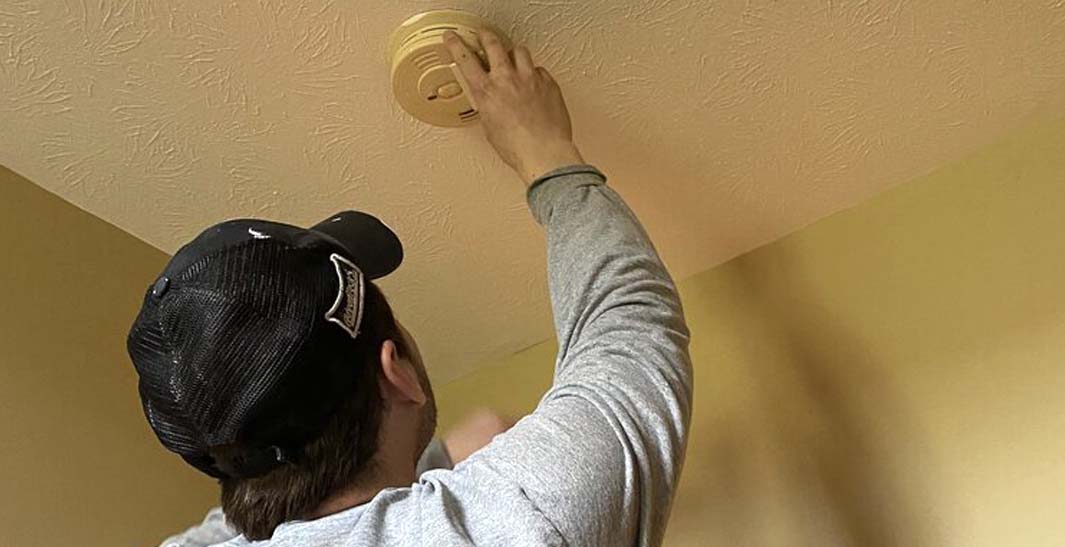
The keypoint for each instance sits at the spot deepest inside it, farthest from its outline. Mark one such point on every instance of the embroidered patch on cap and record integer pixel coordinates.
(347, 308)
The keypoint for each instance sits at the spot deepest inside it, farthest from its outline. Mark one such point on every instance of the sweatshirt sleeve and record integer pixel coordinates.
(601, 455)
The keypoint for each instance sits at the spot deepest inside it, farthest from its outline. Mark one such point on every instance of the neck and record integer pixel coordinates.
(378, 479)
(393, 465)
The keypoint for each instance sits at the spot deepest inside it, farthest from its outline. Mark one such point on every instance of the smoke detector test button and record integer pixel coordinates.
(449, 90)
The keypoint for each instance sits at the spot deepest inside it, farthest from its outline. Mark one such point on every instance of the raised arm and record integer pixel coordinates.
(601, 455)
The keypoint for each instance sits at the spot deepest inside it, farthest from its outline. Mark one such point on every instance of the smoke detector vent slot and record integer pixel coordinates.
(426, 60)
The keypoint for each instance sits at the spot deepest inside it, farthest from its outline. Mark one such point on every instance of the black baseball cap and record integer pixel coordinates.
(245, 339)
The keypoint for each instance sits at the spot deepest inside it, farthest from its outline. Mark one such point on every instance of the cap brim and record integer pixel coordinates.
(370, 244)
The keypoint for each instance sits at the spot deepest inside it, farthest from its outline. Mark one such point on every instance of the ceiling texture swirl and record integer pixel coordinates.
(725, 125)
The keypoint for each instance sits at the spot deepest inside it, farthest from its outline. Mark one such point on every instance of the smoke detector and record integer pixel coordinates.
(425, 79)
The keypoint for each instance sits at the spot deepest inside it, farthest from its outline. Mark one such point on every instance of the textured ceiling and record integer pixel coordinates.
(725, 125)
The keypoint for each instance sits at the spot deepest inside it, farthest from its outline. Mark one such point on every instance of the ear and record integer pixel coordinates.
(398, 379)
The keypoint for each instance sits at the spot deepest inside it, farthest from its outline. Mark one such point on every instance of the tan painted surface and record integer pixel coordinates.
(889, 376)
(78, 463)
(726, 125)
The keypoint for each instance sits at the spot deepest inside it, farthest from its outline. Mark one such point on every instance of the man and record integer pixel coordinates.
(269, 360)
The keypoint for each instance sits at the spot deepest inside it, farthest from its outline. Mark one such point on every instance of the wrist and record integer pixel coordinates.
(563, 156)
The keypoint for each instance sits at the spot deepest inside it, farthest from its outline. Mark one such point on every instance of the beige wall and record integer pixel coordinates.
(79, 464)
(892, 375)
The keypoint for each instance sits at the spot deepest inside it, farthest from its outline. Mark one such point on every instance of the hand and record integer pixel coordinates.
(521, 107)
(474, 432)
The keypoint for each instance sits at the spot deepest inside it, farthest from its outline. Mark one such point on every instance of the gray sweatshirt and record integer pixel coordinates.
(597, 462)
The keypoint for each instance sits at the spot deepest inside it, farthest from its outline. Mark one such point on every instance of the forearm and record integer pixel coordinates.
(607, 282)
(620, 327)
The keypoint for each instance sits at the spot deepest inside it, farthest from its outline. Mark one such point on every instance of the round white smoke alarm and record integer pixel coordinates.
(425, 79)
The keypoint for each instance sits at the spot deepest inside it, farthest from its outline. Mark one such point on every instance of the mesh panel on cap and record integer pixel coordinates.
(225, 341)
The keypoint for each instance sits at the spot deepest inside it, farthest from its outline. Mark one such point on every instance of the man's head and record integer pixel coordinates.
(370, 424)
(269, 359)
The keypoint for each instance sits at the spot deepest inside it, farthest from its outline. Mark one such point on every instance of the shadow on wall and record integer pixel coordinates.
(815, 452)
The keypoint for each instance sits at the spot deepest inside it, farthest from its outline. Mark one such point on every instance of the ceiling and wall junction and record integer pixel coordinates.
(725, 125)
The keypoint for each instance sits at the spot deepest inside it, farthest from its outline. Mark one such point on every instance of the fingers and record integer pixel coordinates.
(498, 59)
(466, 60)
(523, 60)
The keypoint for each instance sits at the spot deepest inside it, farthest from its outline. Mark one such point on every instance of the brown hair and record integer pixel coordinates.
(339, 457)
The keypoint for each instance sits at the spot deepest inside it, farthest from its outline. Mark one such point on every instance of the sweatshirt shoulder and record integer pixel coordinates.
(467, 506)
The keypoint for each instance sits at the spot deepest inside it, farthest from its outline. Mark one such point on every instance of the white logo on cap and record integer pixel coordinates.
(346, 310)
